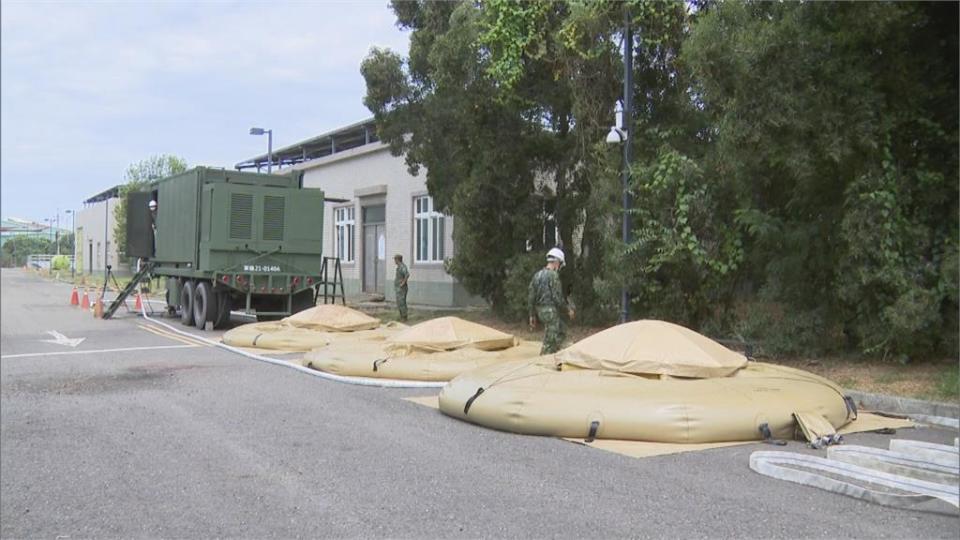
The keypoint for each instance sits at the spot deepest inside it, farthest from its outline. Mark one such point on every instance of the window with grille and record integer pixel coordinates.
(428, 226)
(344, 227)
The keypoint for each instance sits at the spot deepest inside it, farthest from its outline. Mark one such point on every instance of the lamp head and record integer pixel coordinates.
(256, 131)
(616, 135)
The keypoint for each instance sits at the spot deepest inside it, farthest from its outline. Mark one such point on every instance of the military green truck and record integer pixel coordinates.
(229, 240)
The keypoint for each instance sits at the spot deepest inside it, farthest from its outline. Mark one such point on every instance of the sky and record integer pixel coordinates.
(88, 88)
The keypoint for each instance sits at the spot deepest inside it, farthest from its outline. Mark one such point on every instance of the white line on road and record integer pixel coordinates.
(59, 353)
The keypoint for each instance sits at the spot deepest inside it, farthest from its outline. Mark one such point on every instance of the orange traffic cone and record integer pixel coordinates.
(85, 304)
(98, 308)
(74, 298)
(139, 305)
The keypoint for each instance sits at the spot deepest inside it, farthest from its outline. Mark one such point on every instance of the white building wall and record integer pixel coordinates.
(370, 175)
(95, 225)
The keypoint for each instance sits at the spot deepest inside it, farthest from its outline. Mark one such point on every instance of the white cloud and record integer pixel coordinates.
(92, 87)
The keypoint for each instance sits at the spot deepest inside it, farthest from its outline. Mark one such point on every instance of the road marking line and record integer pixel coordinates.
(193, 340)
(60, 339)
(171, 335)
(163, 335)
(61, 353)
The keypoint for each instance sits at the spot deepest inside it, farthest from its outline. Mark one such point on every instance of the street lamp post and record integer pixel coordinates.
(73, 228)
(57, 234)
(621, 135)
(269, 132)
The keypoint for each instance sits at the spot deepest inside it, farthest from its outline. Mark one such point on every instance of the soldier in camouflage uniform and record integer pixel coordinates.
(400, 285)
(546, 301)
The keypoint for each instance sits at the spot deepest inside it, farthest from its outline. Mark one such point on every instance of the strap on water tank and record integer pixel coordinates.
(466, 407)
(768, 435)
(592, 435)
(851, 406)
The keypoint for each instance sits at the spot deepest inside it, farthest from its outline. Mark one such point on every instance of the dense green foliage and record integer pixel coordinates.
(136, 177)
(60, 262)
(795, 164)
(17, 249)
(66, 243)
(837, 132)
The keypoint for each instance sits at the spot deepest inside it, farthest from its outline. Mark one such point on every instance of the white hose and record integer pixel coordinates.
(936, 453)
(835, 476)
(362, 381)
(899, 463)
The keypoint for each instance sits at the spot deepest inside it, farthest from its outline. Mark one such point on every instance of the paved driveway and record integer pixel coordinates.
(136, 434)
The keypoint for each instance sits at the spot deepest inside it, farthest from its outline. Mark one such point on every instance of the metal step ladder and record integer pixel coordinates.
(132, 286)
(330, 287)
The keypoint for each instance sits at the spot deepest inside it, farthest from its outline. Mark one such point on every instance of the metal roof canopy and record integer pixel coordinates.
(338, 140)
(111, 193)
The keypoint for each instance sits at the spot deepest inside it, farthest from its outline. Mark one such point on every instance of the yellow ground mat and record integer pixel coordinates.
(866, 421)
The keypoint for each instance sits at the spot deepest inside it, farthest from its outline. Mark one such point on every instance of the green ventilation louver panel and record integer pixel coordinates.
(241, 216)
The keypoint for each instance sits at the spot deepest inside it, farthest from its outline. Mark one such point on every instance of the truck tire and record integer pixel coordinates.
(186, 303)
(223, 309)
(204, 305)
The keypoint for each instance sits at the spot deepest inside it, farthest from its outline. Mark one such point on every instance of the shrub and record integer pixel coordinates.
(60, 262)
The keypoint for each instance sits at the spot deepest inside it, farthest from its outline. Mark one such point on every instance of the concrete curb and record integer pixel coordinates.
(901, 405)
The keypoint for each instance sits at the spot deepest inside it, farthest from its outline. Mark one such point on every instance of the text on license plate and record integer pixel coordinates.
(261, 268)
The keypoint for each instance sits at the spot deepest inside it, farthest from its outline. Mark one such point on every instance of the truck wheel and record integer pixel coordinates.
(186, 303)
(204, 305)
(223, 309)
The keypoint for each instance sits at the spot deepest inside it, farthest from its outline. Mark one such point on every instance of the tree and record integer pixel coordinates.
(137, 176)
(556, 65)
(795, 163)
(503, 149)
(17, 248)
(835, 126)
(66, 243)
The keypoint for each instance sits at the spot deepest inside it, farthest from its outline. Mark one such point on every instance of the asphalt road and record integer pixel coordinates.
(196, 442)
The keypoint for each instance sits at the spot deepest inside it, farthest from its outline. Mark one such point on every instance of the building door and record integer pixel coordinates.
(374, 249)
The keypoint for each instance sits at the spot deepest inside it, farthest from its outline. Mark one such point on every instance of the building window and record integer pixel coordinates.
(428, 231)
(344, 226)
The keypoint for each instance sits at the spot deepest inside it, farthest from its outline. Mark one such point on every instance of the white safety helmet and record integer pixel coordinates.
(152, 204)
(556, 254)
